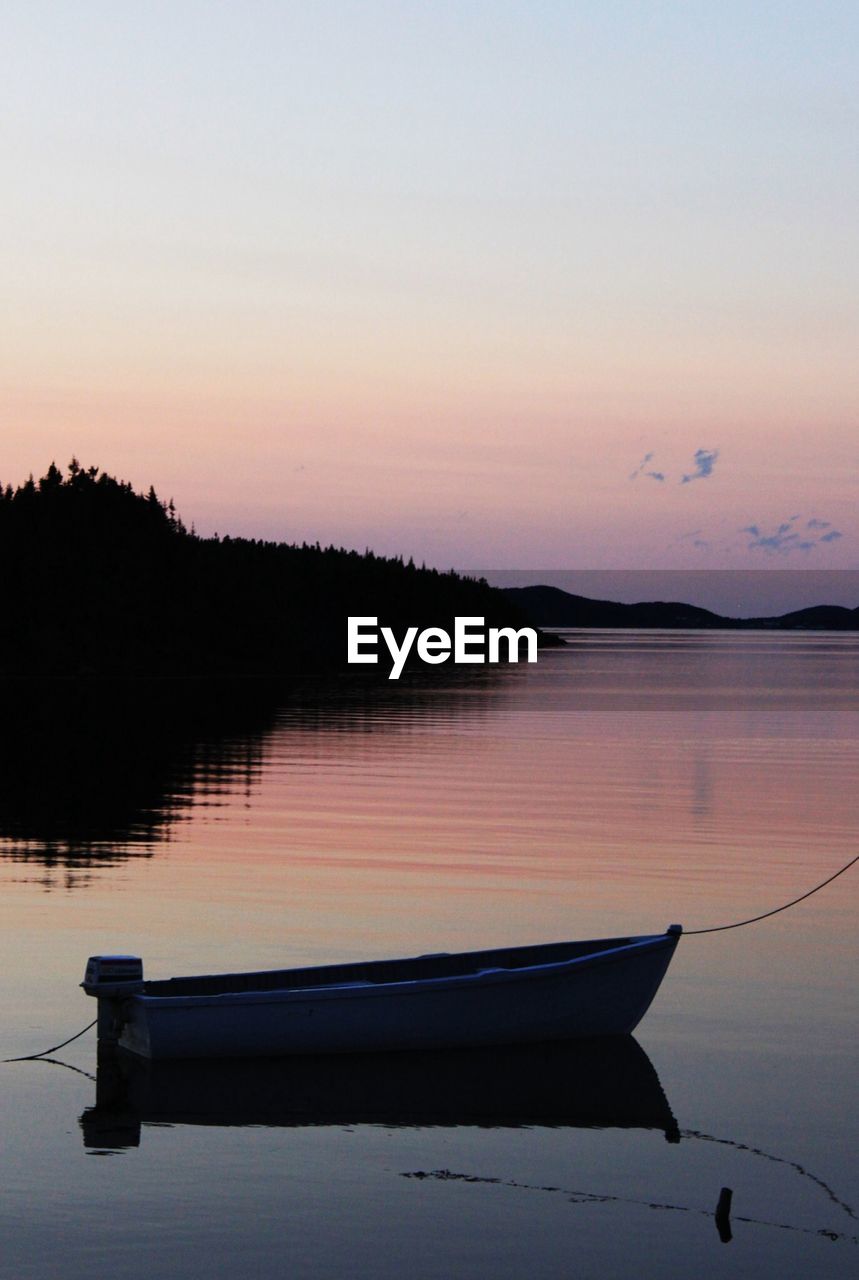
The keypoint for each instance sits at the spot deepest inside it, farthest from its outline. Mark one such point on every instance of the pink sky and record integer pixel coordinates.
(444, 302)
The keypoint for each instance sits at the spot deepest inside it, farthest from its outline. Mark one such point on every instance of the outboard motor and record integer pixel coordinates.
(110, 979)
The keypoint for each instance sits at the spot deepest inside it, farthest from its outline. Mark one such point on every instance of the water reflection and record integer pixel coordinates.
(607, 1083)
(92, 773)
(95, 772)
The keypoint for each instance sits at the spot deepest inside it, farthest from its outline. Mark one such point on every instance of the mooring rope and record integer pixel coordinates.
(31, 1057)
(767, 1155)
(719, 928)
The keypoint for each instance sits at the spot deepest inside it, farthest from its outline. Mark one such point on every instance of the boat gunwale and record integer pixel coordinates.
(489, 976)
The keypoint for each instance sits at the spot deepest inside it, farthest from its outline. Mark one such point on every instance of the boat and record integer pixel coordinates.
(608, 1083)
(513, 995)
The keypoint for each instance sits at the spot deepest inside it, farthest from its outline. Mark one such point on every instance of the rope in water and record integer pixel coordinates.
(719, 928)
(31, 1057)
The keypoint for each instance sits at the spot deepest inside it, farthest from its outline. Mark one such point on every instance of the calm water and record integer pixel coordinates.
(628, 782)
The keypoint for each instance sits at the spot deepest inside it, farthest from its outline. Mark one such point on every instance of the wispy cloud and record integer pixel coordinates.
(705, 461)
(696, 538)
(786, 538)
(641, 471)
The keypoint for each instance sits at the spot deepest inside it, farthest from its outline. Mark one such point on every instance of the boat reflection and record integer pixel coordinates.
(609, 1083)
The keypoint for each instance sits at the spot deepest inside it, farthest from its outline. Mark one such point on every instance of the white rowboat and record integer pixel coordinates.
(514, 995)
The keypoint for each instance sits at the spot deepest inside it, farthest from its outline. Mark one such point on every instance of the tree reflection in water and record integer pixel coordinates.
(95, 772)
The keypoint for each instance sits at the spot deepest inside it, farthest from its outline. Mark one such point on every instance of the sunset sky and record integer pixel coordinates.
(486, 283)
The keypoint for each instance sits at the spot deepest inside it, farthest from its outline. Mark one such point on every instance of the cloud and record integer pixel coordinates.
(705, 461)
(785, 538)
(694, 538)
(640, 471)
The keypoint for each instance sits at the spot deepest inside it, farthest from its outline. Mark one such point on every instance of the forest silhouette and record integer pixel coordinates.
(100, 580)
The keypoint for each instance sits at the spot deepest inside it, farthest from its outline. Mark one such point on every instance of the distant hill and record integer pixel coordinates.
(551, 607)
(96, 579)
(820, 617)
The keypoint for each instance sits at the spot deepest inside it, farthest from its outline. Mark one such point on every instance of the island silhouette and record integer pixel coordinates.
(551, 607)
(100, 580)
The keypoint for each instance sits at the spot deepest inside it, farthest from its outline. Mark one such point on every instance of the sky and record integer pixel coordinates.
(568, 285)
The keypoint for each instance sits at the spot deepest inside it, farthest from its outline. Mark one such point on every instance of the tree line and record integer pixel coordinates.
(99, 579)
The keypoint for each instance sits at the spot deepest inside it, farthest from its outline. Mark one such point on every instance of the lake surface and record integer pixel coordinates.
(624, 783)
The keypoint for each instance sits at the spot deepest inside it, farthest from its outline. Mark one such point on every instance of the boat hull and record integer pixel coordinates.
(603, 993)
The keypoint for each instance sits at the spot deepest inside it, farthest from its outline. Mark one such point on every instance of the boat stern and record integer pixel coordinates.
(111, 980)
